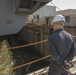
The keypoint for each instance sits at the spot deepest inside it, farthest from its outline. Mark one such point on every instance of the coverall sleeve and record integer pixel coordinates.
(71, 54)
(54, 53)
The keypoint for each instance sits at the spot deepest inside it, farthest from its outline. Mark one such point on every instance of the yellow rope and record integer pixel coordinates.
(16, 47)
(74, 36)
(10, 69)
(12, 48)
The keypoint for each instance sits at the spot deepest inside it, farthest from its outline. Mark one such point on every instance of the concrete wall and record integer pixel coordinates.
(46, 11)
(35, 35)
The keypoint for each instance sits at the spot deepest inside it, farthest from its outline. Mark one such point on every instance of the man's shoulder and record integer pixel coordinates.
(60, 34)
(67, 34)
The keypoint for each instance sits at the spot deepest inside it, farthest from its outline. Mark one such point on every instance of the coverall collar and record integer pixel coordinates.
(58, 30)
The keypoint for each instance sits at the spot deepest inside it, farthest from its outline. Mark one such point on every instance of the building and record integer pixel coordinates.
(45, 11)
(42, 15)
(67, 12)
(70, 15)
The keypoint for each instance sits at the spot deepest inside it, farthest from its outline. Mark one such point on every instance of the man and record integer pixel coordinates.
(62, 47)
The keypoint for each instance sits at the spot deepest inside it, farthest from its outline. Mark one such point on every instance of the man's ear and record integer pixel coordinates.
(51, 29)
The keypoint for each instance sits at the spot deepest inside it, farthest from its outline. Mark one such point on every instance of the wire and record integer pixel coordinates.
(58, 8)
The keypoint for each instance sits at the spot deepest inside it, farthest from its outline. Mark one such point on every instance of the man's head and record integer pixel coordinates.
(58, 22)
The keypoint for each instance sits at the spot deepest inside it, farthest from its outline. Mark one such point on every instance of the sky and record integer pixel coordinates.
(64, 4)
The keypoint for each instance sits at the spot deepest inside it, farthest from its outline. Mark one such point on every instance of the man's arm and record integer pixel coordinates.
(53, 51)
(71, 54)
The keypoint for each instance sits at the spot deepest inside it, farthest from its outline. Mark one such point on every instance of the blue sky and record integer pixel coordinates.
(64, 4)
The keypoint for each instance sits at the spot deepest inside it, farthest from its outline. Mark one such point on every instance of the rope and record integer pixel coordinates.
(14, 68)
(17, 47)
(74, 36)
(12, 48)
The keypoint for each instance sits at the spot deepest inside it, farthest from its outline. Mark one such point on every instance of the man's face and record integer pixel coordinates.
(54, 26)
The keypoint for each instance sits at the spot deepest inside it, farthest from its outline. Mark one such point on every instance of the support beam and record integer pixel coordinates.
(36, 6)
(42, 0)
(29, 6)
(46, 1)
(17, 5)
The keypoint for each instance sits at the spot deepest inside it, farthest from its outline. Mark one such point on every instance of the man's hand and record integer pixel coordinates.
(67, 64)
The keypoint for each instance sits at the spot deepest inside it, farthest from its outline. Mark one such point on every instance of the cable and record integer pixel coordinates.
(58, 8)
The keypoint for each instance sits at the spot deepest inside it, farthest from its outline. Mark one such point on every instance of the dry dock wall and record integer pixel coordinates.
(32, 35)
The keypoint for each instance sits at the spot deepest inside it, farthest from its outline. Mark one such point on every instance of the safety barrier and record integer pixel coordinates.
(17, 47)
(29, 62)
(10, 69)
